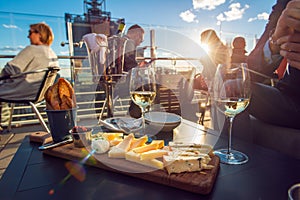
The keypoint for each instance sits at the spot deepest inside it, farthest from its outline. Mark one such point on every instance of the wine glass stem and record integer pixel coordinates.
(229, 134)
(143, 118)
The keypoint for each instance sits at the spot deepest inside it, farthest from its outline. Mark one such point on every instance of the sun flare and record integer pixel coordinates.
(205, 47)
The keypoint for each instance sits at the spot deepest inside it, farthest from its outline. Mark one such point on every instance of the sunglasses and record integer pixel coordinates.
(34, 31)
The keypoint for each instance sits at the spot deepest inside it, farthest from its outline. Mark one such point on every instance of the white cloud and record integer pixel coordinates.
(64, 52)
(11, 49)
(207, 4)
(9, 26)
(235, 12)
(187, 16)
(261, 16)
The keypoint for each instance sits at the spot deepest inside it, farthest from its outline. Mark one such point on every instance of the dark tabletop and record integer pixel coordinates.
(34, 175)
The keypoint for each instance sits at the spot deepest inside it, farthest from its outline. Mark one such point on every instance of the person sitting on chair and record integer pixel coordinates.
(280, 43)
(37, 55)
(238, 50)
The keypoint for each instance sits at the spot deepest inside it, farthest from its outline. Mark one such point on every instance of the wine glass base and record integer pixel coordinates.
(233, 158)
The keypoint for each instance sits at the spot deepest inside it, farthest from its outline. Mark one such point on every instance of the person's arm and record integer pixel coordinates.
(287, 33)
(261, 59)
(20, 62)
(130, 56)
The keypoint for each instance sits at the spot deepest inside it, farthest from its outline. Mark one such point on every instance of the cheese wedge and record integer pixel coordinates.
(120, 149)
(116, 141)
(185, 157)
(191, 147)
(116, 152)
(153, 154)
(112, 136)
(135, 157)
(139, 142)
(161, 143)
(145, 148)
(125, 144)
(181, 164)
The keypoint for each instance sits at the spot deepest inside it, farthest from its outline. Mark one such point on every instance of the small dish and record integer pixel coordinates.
(81, 136)
(163, 120)
(124, 124)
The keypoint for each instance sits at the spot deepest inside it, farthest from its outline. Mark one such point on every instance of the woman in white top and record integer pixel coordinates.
(38, 55)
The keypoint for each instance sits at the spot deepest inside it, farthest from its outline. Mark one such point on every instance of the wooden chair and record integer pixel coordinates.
(49, 75)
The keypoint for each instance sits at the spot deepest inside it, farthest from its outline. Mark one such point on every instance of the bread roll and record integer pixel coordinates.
(60, 96)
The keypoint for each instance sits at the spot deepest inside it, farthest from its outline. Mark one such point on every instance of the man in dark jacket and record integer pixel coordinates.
(279, 105)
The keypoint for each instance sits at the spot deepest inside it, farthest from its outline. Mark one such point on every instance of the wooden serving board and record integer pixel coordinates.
(196, 182)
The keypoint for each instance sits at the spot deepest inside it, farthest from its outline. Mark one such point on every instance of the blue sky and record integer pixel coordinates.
(198, 14)
(187, 17)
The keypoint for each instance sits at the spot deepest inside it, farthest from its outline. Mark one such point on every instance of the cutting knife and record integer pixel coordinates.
(56, 144)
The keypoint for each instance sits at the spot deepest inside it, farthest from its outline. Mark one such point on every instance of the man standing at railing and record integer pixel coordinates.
(122, 58)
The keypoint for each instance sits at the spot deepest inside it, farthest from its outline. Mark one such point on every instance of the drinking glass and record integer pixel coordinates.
(142, 89)
(294, 192)
(231, 95)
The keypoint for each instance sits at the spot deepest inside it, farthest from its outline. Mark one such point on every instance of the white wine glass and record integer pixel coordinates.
(142, 89)
(231, 95)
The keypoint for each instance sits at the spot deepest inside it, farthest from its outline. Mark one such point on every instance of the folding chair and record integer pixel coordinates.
(49, 75)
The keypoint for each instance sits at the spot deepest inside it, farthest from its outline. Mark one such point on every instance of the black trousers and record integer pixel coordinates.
(273, 106)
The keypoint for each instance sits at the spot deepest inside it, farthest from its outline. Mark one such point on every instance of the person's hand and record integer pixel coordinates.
(290, 48)
(289, 20)
(287, 33)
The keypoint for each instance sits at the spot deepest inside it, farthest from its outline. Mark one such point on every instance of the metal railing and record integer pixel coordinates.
(85, 94)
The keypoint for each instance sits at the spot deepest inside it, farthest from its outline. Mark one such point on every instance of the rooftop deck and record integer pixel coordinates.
(11, 142)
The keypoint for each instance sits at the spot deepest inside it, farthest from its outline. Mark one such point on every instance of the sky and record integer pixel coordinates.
(186, 17)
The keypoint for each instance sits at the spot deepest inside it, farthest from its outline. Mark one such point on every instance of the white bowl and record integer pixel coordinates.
(163, 120)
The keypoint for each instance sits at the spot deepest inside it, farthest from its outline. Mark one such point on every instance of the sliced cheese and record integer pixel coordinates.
(139, 142)
(120, 149)
(153, 154)
(116, 141)
(182, 164)
(191, 147)
(187, 157)
(145, 148)
(116, 152)
(178, 161)
(135, 157)
(161, 143)
(112, 136)
(188, 152)
(125, 144)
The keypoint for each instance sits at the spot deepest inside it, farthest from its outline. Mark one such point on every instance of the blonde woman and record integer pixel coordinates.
(37, 55)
